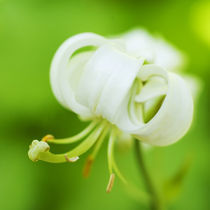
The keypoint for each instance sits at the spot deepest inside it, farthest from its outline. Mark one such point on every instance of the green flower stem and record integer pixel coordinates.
(154, 203)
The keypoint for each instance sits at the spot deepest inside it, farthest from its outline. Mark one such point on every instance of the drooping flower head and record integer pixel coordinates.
(123, 86)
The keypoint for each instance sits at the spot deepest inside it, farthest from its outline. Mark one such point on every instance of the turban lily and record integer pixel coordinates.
(125, 86)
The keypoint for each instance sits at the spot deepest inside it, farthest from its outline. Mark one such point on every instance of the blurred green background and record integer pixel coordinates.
(30, 32)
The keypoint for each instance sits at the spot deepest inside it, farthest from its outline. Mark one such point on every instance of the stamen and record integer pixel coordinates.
(72, 139)
(80, 149)
(71, 160)
(92, 157)
(111, 161)
(88, 143)
(110, 183)
(110, 151)
(119, 174)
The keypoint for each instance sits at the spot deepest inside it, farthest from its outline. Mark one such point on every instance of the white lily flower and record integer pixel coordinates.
(106, 82)
(121, 92)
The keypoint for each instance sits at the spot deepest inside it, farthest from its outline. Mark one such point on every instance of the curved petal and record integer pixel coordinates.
(106, 81)
(172, 120)
(130, 116)
(139, 43)
(154, 49)
(174, 117)
(61, 71)
(155, 87)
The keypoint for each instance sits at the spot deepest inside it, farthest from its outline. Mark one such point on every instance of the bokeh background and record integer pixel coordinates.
(30, 32)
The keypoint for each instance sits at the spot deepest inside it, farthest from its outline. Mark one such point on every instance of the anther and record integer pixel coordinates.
(71, 160)
(47, 137)
(110, 183)
(87, 167)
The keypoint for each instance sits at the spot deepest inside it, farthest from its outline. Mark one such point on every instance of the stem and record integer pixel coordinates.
(155, 205)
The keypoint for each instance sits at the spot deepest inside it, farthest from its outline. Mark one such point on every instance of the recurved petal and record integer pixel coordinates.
(61, 71)
(171, 121)
(155, 49)
(107, 80)
(174, 117)
(155, 87)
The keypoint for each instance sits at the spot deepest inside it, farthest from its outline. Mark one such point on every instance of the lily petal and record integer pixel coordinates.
(107, 80)
(172, 120)
(60, 70)
(155, 49)
(155, 87)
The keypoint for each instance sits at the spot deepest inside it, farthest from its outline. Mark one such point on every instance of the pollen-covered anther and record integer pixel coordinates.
(87, 167)
(71, 160)
(36, 148)
(47, 137)
(110, 183)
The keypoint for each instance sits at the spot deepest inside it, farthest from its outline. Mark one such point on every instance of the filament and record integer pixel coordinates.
(75, 138)
(110, 183)
(110, 151)
(93, 155)
(111, 160)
